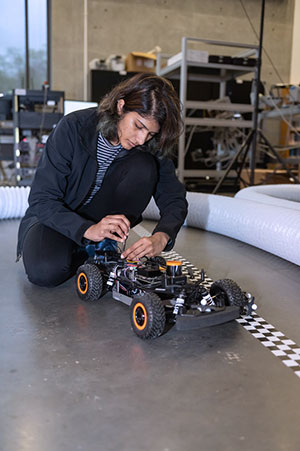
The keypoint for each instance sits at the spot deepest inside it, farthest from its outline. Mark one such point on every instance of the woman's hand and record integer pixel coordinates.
(147, 246)
(108, 227)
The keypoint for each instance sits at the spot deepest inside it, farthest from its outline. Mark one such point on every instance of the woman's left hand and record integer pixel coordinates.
(147, 246)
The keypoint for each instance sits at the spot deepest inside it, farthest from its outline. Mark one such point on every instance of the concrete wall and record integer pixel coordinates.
(121, 26)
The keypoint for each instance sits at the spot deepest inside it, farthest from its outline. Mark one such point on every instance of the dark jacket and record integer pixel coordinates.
(67, 170)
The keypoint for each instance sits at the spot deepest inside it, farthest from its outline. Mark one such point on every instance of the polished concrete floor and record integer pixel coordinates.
(75, 377)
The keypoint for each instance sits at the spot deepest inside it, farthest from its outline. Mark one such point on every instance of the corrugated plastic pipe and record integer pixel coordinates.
(271, 227)
(267, 217)
(287, 196)
(13, 201)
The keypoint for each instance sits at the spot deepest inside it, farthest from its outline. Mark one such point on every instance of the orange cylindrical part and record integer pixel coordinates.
(174, 268)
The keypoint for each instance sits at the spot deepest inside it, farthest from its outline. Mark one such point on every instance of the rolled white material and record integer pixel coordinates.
(267, 217)
(271, 227)
(13, 201)
(287, 196)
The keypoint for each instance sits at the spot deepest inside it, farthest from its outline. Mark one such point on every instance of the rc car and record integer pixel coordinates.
(160, 294)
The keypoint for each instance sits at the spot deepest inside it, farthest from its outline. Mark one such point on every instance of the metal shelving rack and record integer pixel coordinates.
(220, 73)
(35, 113)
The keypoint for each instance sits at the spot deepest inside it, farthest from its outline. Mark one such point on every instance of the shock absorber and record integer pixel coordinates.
(112, 276)
(206, 299)
(178, 304)
(204, 296)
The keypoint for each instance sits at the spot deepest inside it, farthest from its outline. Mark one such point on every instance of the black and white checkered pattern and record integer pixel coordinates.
(274, 340)
(280, 345)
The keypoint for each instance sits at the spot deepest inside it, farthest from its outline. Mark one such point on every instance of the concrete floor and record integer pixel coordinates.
(75, 377)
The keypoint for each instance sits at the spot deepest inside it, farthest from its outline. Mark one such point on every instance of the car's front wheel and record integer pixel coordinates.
(147, 315)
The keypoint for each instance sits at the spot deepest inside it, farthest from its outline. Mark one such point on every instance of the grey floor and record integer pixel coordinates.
(75, 377)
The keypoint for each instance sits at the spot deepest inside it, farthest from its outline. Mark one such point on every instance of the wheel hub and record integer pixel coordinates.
(82, 283)
(140, 316)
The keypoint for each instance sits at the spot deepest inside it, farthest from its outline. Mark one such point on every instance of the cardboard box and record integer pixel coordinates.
(140, 62)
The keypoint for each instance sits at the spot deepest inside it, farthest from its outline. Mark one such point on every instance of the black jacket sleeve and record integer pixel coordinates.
(48, 191)
(171, 201)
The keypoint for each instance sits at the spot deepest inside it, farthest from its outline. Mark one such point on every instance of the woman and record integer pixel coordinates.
(97, 174)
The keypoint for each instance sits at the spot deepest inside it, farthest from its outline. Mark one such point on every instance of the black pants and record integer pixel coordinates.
(50, 258)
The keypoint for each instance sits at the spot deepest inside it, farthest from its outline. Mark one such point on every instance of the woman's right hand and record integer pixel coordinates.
(115, 227)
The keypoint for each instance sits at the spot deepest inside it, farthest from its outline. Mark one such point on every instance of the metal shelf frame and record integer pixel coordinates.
(32, 121)
(208, 72)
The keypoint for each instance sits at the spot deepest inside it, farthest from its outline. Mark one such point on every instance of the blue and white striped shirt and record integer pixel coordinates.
(106, 153)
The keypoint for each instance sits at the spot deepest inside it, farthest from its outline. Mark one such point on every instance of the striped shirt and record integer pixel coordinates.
(106, 153)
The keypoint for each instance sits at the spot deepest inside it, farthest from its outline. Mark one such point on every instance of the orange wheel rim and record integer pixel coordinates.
(140, 316)
(82, 283)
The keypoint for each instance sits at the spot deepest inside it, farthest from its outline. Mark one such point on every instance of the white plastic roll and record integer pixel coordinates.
(273, 228)
(287, 196)
(268, 227)
(267, 217)
(13, 201)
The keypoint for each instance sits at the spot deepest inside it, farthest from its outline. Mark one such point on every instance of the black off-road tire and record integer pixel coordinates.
(147, 315)
(227, 292)
(89, 283)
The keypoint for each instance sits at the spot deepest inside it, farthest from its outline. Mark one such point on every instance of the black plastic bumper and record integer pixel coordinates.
(188, 321)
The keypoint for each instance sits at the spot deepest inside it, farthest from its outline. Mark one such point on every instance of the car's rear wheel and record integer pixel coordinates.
(147, 315)
(227, 292)
(89, 283)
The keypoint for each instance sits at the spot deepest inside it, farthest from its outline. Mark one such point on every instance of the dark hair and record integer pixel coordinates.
(148, 95)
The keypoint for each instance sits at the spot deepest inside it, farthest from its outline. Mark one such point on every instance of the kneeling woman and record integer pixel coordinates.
(97, 174)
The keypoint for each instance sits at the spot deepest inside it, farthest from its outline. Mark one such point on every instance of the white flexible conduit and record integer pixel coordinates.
(13, 201)
(287, 196)
(267, 217)
(267, 221)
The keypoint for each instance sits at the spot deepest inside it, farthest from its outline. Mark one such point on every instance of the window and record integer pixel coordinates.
(37, 40)
(12, 44)
(23, 55)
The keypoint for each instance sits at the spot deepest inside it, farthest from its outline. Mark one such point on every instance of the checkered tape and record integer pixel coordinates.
(280, 345)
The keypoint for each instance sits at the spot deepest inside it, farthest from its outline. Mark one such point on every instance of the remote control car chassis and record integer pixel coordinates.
(158, 292)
